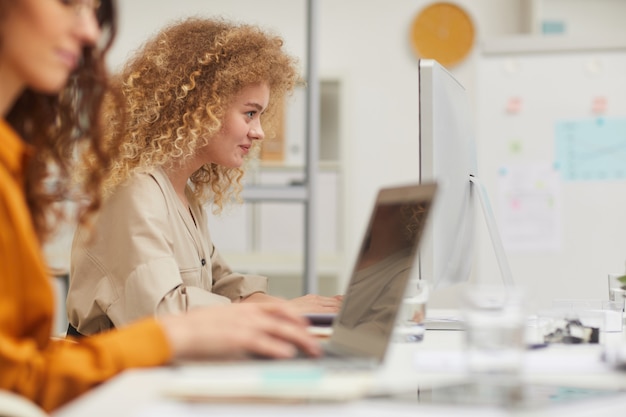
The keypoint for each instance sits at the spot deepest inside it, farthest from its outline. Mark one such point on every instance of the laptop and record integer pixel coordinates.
(361, 332)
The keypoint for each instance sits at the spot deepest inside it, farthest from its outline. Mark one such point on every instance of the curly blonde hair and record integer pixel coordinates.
(177, 89)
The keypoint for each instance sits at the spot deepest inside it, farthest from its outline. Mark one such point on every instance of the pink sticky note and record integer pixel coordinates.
(514, 105)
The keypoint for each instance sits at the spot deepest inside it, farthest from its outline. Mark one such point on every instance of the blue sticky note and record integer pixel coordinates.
(552, 27)
(591, 149)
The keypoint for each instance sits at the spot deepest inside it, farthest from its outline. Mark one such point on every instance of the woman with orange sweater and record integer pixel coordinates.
(52, 78)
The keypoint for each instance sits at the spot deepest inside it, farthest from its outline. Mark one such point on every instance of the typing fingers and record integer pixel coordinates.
(280, 336)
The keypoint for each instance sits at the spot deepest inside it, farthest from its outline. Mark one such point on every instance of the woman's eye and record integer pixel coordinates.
(79, 5)
(251, 114)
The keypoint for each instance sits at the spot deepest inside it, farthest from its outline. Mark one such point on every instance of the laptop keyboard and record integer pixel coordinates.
(329, 360)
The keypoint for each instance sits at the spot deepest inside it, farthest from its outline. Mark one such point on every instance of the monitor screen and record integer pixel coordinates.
(447, 156)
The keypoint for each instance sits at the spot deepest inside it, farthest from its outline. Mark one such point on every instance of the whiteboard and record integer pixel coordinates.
(539, 115)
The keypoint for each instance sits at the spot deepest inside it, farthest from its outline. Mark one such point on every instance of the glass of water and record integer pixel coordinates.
(495, 327)
(616, 293)
(410, 324)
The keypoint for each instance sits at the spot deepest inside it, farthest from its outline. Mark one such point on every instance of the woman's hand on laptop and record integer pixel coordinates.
(237, 330)
(310, 303)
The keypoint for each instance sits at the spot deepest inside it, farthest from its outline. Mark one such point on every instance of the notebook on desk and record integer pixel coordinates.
(361, 332)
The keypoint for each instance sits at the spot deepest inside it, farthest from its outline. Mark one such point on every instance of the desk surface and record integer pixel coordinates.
(437, 360)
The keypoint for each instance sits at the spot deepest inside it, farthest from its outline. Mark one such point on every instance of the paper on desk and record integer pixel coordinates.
(274, 383)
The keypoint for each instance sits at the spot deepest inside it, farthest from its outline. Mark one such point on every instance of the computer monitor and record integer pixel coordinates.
(448, 156)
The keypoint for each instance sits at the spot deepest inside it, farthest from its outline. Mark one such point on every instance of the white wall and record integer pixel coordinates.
(365, 43)
(139, 19)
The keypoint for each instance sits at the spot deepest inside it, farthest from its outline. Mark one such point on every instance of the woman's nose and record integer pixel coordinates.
(88, 28)
(256, 132)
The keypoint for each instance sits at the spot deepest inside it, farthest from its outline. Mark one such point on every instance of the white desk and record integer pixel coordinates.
(436, 360)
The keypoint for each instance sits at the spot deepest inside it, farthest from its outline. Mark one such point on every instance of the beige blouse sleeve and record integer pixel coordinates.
(143, 261)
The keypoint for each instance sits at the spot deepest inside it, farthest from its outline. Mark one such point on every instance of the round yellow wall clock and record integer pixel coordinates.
(442, 31)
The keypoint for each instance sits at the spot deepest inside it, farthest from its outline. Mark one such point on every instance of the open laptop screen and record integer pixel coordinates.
(382, 270)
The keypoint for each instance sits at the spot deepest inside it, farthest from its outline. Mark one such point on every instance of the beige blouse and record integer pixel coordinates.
(148, 256)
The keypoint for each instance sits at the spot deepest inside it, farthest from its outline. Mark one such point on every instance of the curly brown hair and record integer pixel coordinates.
(55, 125)
(177, 88)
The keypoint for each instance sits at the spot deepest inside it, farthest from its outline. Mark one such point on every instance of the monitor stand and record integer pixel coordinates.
(494, 233)
(451, 319)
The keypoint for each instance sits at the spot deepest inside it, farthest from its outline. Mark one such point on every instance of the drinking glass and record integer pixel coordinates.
(495, 326)
(410, 327)
(616, 293)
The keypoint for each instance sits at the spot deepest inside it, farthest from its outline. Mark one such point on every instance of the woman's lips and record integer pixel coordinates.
(70, 59)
